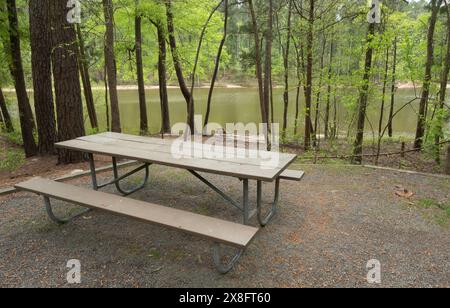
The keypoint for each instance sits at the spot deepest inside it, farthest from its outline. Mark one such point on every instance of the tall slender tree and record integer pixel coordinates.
(111, 68)
(41, 49)
(393, 88)
(363, 96)
(69, 105)
(86, 79)
(16, 67)
(268, 59)
(420, 131)
(140, 72)
(178, 68)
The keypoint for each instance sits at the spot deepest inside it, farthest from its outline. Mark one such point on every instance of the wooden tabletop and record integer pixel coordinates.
(249, 164)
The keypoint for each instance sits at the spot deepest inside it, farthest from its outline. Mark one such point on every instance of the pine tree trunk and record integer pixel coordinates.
(420, 132)
(268, 62)
(25, 113)
(69, 105)
(4, 110)
(140, 76)
(358, 147)
(110, 60)
(41, 49)
(85, 78)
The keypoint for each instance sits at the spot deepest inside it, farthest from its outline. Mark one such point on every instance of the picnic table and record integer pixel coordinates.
(243, 164)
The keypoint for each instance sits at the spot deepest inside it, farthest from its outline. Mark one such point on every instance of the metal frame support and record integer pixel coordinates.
(264, 221)
(217, 258)
(60, 221)
(117, 178)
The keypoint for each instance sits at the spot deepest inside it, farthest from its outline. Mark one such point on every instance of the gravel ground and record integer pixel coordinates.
(327, 229)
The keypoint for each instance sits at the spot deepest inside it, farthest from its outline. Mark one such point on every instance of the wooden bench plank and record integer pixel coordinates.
(292, 175)
(217, 230)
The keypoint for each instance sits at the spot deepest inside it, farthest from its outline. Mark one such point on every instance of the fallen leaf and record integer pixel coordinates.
(405, 193)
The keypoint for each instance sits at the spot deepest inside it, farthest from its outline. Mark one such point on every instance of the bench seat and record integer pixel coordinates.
(292, 175)
(219, 231)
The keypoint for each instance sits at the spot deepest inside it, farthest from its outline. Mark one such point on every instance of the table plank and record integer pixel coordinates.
(246, 157)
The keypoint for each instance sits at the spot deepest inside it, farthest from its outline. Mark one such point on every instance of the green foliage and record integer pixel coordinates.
(12, 160)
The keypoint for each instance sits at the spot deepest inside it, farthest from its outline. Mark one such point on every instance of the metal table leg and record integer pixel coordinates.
(263, 221)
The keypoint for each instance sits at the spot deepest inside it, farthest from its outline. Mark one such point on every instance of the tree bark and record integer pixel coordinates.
(140, 75)
(328, 106)
(383, 103)
(178, 68)
(4, 110)
(319, 92)
(41, 49)
(85, 78)
(364, 94)
(286, 69)
(268, 61)
(394, 77)
(110, 60)
(162, 78)
(420, 132)
(309, 74)
(443, 92)
(258, 59)
(217, 64)
(69, 105)
(25, 113)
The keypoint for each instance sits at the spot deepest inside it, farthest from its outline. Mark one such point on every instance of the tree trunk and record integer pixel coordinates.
(383, 103)
(110, 60)
(25, 113)
(286, 69)
(328, 106)
(309, 75)
(358, 146)
(217, 65)
(420, 132)
(258, 60)
(443, 93)
(4, 110)
(319, 92)
(394, 76)
(41, 49)
(140, 75)
(69, 105)
(268, 61)
(85, 78)
(162, 77)
(178, 68)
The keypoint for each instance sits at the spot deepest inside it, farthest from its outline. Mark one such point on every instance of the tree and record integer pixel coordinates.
(268, 62)
(286, 52)
(443, 90)
(86, 79)
(140, 72)
(420, 132)
(394, 81)
(178, 68)
(16, 67)
(217, 66)
(5, 117)
(111, 68)
(309, 74)
(69, 106)
(363, 97)
(41, 49)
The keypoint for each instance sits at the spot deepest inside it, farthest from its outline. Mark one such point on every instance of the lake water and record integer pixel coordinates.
(242, 105)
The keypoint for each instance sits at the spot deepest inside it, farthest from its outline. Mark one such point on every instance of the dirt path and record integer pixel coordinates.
(327, 229)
